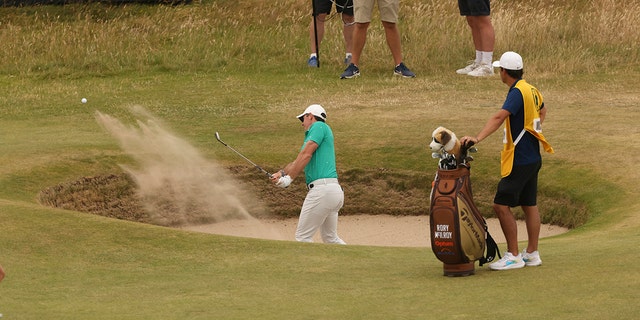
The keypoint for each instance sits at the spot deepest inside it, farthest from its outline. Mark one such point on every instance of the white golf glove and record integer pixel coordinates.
(284, 181)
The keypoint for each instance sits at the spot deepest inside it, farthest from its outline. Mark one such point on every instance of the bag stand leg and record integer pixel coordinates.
(459, 270)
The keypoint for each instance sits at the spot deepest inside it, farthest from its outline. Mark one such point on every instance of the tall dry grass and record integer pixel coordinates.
(575, 36)
(571, 36)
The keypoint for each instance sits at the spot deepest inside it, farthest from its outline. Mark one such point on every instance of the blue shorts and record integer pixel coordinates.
(520, 188)
(474, 7)
(342, 6)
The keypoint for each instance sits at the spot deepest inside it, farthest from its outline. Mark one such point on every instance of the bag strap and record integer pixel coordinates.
(519, 137)
(492, 248)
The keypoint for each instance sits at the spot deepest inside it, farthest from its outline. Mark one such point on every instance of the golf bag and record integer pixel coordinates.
(459, 234)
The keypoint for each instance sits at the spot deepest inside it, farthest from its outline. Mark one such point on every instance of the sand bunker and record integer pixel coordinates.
(374, 230)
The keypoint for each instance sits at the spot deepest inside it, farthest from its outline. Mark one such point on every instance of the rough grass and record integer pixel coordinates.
(565, 37)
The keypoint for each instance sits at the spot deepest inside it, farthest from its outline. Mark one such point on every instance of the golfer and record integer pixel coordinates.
(318, 159)
(522, 113)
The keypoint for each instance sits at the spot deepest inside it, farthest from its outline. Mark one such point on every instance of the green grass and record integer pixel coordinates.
(206, 68)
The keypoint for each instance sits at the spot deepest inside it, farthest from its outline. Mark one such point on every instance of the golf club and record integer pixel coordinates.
(315, 29)
(240, 154)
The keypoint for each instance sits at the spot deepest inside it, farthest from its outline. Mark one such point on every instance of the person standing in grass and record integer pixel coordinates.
(323, 8)
(317, 158)
(478, 14)
(522, 113)
(363, 10)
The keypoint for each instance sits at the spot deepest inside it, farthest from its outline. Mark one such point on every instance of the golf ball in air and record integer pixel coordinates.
(84, 100)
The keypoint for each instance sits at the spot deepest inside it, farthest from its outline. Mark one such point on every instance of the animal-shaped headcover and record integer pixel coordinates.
(444, 139)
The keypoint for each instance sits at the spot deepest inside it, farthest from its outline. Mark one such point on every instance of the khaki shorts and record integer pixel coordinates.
(363, 9)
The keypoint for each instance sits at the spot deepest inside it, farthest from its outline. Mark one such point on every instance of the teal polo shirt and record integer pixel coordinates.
(323, 161)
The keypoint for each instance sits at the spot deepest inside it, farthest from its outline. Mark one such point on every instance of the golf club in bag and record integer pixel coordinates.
(459, 233)
(243, 157)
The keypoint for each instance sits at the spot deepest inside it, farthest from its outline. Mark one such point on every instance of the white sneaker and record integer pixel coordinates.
(531, 259)
(473, 65)
(483, 70)
(508, 261)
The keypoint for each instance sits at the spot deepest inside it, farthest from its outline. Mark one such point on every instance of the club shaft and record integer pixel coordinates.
(243, 157)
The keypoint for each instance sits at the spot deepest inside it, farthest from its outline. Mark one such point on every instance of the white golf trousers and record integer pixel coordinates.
(320, 210)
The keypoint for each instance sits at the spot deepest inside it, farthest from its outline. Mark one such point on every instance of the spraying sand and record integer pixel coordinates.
(176, 184)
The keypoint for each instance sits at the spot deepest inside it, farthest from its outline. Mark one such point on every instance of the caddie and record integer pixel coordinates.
(520, 161)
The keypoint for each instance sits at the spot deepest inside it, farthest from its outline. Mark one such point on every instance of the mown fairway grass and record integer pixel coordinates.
(238, 68)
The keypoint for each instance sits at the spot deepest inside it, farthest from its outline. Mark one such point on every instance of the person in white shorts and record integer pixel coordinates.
(318, 159)
(478, 15)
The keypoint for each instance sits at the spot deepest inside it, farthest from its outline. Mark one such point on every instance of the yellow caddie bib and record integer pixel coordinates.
(532, 104)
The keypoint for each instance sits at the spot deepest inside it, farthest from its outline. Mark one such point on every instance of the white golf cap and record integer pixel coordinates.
(510, 61)
(316, 110)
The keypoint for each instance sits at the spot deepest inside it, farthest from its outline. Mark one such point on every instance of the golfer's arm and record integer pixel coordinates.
(295, 168)
(543, 113)
(492, 124)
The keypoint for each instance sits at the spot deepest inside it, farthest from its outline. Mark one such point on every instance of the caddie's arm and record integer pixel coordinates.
(490, 127)
(543, 113)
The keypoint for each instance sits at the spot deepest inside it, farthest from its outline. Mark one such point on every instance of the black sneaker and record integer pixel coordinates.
(402, 70)
(350, 72)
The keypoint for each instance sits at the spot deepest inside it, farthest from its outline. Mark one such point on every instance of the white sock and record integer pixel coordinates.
(478, 56)
(487, 57)
(313, 55)
(348, 55)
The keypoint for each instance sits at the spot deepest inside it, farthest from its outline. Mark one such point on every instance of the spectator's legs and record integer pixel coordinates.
(359, 39)
(320, 25)
(393, 40)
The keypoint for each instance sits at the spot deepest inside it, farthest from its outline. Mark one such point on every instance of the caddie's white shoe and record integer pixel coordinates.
(531, 259)
(508, 261)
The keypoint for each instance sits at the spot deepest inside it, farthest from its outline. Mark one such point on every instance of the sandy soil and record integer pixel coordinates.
(377, 230)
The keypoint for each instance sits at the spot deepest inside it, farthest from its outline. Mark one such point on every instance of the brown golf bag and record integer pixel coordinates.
(459, 234)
